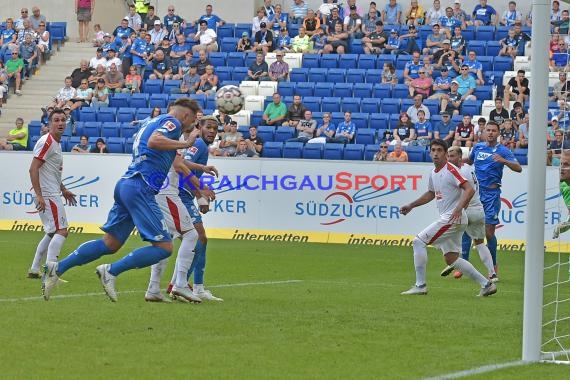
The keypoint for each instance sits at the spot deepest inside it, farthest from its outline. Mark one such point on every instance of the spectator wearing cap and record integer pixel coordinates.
(190, 82)
(553, 128)
(258, 70)
(352, 23)
(134, 20)
(412, 45)
(392, 13)
(283, 41)
(277, 20)
(466, 84)
(171, 18)
(445, 56)
(157, 33)
(244, 43)
(337, 42)
(206, 37)
(434, 14)
(560, 90)
(460, 14)
(212, 19)
(311, 23)
(260, 17)
(444, 129)
(150, 18)
(451, 102)
(441, 84)
(263, 39)
(279, 70)
(484, 14)
(301, 43)
(392, 46)
(299, 10)
(448, 21)
(474, 67)
(164, 46)
(434, 40)
(376, 41)
(464, 133)
(98, 59)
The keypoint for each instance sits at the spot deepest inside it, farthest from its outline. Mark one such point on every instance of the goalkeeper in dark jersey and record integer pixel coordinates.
(564, 191)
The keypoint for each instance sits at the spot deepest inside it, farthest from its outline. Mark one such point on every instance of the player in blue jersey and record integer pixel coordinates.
(154, 150)
(489, 159)
(196, 158)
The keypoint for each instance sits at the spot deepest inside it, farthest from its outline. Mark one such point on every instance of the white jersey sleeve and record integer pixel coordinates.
(468, 171)
(48, 150)
(446, 183)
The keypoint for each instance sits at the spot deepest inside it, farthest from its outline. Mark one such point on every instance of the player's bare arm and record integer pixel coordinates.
(466, 196)
(426, 197)
(160, 142)
(513, 165)
(208, 169)
(35, 178)
(68, 196)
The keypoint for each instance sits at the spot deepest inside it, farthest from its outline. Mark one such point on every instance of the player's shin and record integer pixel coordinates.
(54, 247)
(199, 263)
(492, 245)
(41, 251)
(156, 272)
(420, 261)
(486, 258)
(465, 246)
(469, 270)
(139, 258)
(185, 257)
(85, 253)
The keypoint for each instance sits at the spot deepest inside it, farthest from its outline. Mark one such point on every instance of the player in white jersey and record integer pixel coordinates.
(45, 175)
(475, 214)
(452, 193)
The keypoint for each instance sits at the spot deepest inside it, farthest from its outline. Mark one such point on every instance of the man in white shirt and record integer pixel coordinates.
(207, 38)
(98, 59)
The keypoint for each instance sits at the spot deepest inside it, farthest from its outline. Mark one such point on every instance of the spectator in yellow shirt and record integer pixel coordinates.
(17, 138)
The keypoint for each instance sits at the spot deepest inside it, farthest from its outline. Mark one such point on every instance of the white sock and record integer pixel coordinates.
(173, 279)
(156, 272)
(54, 247)
(198, 288)
(185, 257)
(486, 258)
(469, 270)
(41, 251)
(420, 261)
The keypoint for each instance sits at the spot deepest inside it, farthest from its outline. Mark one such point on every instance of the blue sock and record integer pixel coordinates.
(465, 246)
(492, 245)
(85, 253)
(199, 263)
(139, 258)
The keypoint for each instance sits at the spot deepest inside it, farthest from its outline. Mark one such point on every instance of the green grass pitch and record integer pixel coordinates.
(291, 311)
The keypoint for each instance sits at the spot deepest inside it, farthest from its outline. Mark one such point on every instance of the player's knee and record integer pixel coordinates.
(451, 257)
(417, 243)
(63, 232)
(112, 243)
(165, 246)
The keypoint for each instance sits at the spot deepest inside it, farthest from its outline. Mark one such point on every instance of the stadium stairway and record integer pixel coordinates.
(42, 87)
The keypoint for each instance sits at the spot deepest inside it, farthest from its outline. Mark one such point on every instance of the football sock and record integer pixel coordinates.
(486, 258)
(492, 245)
(85, 253)
(139, 258)
(465, 246)
(41, 251)
(420, 261)
(199, 264)
(469, 270)
(156, 272)
(54, 247)
(185, 257)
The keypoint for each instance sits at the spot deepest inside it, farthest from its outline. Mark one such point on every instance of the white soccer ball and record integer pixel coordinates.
(229, 100)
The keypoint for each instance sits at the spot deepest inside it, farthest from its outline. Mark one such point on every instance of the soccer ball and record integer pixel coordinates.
(229, 100)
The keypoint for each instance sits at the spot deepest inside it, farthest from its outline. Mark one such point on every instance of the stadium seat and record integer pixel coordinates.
(228, 44)
(370, 150)
(139, 100)
(336, 76)
(469, 33)
(200, 98)
(471, 107)
(267, 88)
(369, 105)
(360, 119)
(34, 128)
(78, 128)
(92, 128)
(312, 103)
(373, 76)
(305, 88)
(235, 59)
(391, 106)
(366, 61)
(502, 64)
(170, 84)
(501, 32)
(318, 74)
(483, 92)
(158, 100)
(210, 104)
(406, 103)
(486, 62)
(116, 144)
(494, 77)
(293, 150)
(129, 145)
(143, 113)
(354, 152)
(415, 153)
(311, 60)
(224, 74)
(521, 155)
(242, 27)
(493, 48)
(107, 114)
(313, 151)
(382, 91)
(485, 33)
(266, 132)
(333, 151)
(256, 118)
(432, 105)
(111, 129)
(58, 33)
(393, 120)
(88, 114)
(286, 88)
(356, 47)
(385, 58)
(356, 76)
(239, 73)
(330, 104)
(152, 86)
(343, 90)
(348, 61)
(68, 143)
(244, 130)
(119, 100)
(128, 129)
(479, 47)
(350, 104)
(362, 90)
(329, 61)
(400, 91)
(284, 133)
(365, 136)
(272, 149)
(323, 89)
(226, 30)
(401, 62)
(299, 74)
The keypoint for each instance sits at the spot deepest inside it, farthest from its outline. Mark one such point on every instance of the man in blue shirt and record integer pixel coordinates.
(445, 130)
(170, 19)
(213, 20)
(489, 159)
(345, 130)
(484, 14)
(154, 151)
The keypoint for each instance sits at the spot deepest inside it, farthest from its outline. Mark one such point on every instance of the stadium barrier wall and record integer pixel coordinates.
(347, 202)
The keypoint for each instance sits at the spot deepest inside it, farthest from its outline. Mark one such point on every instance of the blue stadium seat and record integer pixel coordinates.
(129, 145)
(312, 103)
(385, 58)
(354, 152)
(235, 59)
(158, 100)
(365, 136)
(210, 104)
(111, 129)
(337, 117)
(486, 62)
(92, 128)
(305, 88)
(256, 118)
(382, 91)
(79, 127)
(244, 130)
(369, 105)
(493, 48)
(34, 128)
(477, 46)
(471, 107)
(311, 60)
(350, 104)
(521, 155)
(299, 74)
(366, 61)
(393, 120)
(483, 92)
(333, 151)
(330, 104)
(58, 32)
(139, 100)
(200, 98)
(152, 86)
(239, 73)
(356, 76)
(432, 105)
(360, 119)
(415, 153)
(226, 30)
(503, 64)
(228, 44)
(323, 89)
(129, 129)
(249, 58)
(335, 75)
(318, 74)
(189, 30)
(107, 114)
(224, 73)
(370, 150)
(171, 84)
(284, 133)
(401, 61)
(313, 151)
(119, 100)
(356, 47)
(400, 91)
(390, 105)
(67, 143)
(242, 27)
(343, 89)
(293, 150)
(287, 88)
(88, 114)
(468, 33)
(379, 121)
(495, 77)
(348, 61)
(293, 29)
(116, 144)
(373, 76)
(485, 33)
(266, 132)
(501, 32)
(143, 113)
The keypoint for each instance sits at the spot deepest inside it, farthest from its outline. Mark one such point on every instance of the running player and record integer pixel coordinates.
(154, 150)
(564, 191)
(45, 174)
(452, 193)
(489, 158)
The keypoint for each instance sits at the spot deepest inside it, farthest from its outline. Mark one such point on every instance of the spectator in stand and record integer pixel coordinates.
(475, 67)
(122, 30)
(100, 96)
(412, 45)
(466, 84)
(208, 82)
(444, 57)
(445, 130)
(451, 102)
(161, 68)
(279, 70)
(114, 80)
(369, 21)
(352, 23)
(404, 131)
(150, 19)
(434, 41)
(100, 147)
(434, 13)
(382, 154)
(99, 34)
(508, 135)
(319, 40)
(100, 73)
(374, 43)
(559, 60)
(277, 20)
(412, 68)
(421, 86)
(311, 23)
(325, 10)
(560, 89)
(269, 9)
(6, 36)
(14, 69)
(83, 95)
(509, 45)
(258, 19)
(460, 14)
(80, 73)
(333, 20)
(212, 19)
(157, 33)
(554, 40)
(258, 70)
(178, 52)
(345, 130)
(464, 133)
(517, 87)
(424, 130)
(392, 46)
(458, 42)
(243, 150)
(244, 43)
(349, 3)
(43, 43)
(428, 66)
(552, 129)
(171, 18)
(337, 41)
(263, 39)
(19, 24)
(190, 82)
(275, 112)
(299, 11)
(398, 155)
(305, 128)
(325, 131)
(207, 38)
(97, 60)
(134, 20)
(37, 18)
(555, 12)
(283, 41)
(140, 52)
(522, 37)
(83, 146)
(17, 138)
(301, 43)
(557, 146)
(499, 114)
(448, 22)
(112, 59)
(295, 112)
(254, 142)
(202, 62)
(229, 141)
(523, 133)
(389, 75)
(563, 24)
(3, 84)
(133, 81)
(70, 129)
(64, 95)
(479, 130)
(518, 113)
(484, 14)
(156, 111)
(412, 111)
(29, 53)
(392, 13)
(511, 15)
(414, 14)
